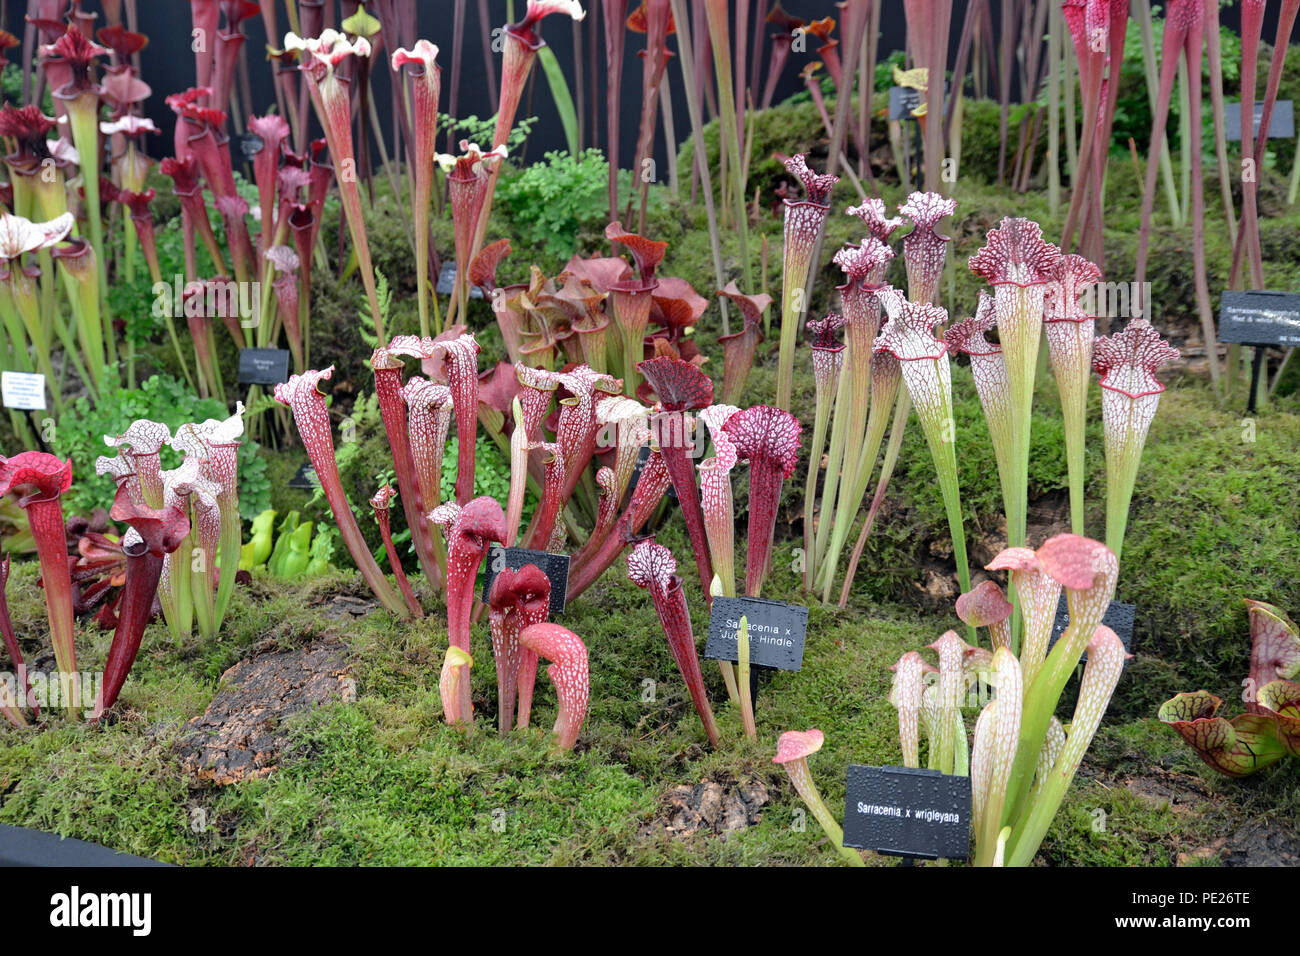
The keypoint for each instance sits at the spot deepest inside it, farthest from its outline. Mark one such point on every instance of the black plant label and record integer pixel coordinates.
(304, 477)
(554, 566)
(250, 144)
(263, 366)
(1281, 125)
(1119, 617)
(776, 631)
(1259, 318)
(904, 811)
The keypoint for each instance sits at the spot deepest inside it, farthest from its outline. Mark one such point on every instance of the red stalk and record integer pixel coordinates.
(11, 644)
(154, 534)
(615, 39)
(41, 479)
(312, 419)
(380, 502)
(681, 388)
(738, 347)
(650, 488)
(272, 130)
(652, 566)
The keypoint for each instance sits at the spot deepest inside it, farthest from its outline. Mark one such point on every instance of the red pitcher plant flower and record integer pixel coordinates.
(651, 566)
(469, 177)
(632, 298)
(381, 503)
(429, 410)
(154, 534)
(386, 362)
(568, 672)
(681, 388)
(738, 347)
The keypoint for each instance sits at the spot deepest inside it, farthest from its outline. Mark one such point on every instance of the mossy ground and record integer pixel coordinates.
(383, 780)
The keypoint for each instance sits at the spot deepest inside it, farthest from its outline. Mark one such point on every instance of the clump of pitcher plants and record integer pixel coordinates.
(1020, 759)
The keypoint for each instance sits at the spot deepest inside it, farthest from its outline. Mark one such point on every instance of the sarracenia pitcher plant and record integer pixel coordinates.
(804, 221)
(1021, 759)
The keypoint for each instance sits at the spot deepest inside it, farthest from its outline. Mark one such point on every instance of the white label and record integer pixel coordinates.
(22, 390)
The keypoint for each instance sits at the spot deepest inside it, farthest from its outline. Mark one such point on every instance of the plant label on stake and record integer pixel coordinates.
(1259, 318)
(1119, 617)
(642, 456)
(776, 632)
(304, 477)
(554, 566)
(447, 282)
(904, 100)
(1281, 125)
(263, 366)
(250, 144)
(904, 811)
(23, 390)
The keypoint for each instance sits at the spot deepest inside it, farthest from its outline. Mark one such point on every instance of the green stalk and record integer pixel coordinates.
(83, 117)
(23, 296)
(1142, 13)
(742, 680)
(1055, 38)
(884, 397)
(803, 784)
(181, 619)
(902, 410)
(1123, 458)
(844, 397)
(720, 37)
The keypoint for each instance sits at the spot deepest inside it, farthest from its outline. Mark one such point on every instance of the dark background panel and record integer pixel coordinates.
(168, 64)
